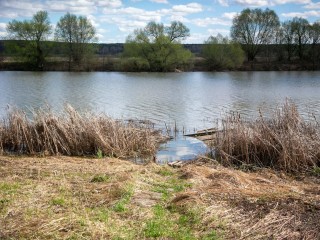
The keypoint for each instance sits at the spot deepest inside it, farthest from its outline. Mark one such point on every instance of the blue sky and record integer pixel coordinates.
(116, 19)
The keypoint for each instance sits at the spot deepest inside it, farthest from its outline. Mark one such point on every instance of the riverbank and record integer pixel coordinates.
(198, 64)
(108, 198)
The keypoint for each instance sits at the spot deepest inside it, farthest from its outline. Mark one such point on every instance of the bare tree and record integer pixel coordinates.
(253, 28)
(77, 33)
(300, 32)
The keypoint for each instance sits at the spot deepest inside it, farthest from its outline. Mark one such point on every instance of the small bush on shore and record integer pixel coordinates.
(285, 141)
(74, 134)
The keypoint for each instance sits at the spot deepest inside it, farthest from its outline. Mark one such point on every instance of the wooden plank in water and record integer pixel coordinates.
(204, 132)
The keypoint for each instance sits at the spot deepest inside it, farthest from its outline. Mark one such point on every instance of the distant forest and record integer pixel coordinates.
(101, 49)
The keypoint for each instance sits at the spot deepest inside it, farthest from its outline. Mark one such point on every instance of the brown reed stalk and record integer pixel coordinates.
(74, 134)
(284, 141)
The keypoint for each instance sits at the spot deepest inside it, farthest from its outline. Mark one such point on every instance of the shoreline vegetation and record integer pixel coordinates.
(263, 182)
(258, 42)
(72, 133)
(108, 58)
(282, 140)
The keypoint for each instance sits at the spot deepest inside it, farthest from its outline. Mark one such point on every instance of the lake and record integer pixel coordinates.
(192, 100)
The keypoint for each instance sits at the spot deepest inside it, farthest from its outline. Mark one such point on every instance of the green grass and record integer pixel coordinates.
(213, 235)
(99, 154)
(166, 224)
(165, 172)
(58, 202)
(101, 214)
(100, 178)
(316, 171)
(9, 188)
(121, 205)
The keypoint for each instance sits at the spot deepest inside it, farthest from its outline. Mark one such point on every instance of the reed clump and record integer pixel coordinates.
(284, 141)
(74, 134)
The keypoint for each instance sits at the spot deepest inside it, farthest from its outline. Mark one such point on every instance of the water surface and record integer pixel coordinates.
(189, 100)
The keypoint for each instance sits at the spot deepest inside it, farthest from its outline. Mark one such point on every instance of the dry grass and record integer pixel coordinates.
(284, 141)
(81, 198)
(265, 204)
(74, 134)
(62, 198)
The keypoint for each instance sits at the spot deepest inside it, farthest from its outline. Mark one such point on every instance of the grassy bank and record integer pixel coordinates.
(80, 198)
(60, 197)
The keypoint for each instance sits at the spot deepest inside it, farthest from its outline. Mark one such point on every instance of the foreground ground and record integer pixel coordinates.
(82, 198)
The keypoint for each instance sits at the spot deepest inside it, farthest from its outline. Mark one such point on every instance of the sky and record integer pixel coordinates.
(114, 20)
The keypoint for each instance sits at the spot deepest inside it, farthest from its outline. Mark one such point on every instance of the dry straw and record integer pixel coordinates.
(74, 134)
(284, 141)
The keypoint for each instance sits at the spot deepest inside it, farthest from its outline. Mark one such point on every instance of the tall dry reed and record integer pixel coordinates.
(74, 134)
(283, 141)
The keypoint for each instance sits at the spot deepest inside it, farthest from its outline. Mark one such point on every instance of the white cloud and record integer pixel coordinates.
(187, 9)
(160, 1)
(129, 18)
(302, 14)
(3, 31)
(313, 6)
(224, 3)
(93, 20)
(279, 2)
(204, 22)
(15, 8)
(229, 15)
(83, 7)
(3, 26)
(262, 3)
(253, 3)
(109, 3)
(216, 31)
(179, 18)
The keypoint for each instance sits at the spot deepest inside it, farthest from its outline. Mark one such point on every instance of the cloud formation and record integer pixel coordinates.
(116, 19)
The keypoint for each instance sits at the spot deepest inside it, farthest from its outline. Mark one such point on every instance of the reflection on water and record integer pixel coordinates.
(181, 148)
(191, 100)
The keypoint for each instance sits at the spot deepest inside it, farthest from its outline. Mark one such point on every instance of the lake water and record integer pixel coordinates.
(192, 101)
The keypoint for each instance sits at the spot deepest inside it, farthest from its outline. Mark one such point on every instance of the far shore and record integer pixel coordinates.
(111, 64)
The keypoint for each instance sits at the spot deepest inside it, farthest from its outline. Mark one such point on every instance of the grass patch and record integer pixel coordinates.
(99, 154)
(166, 224)
(58, 202)
(101, 214)
(121, 205)
(213, 235)
(9, 188)
(165, 172)
(100, 178)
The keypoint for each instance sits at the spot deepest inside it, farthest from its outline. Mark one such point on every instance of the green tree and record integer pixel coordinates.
(34, 32)
(77, 33)
(253, 28)
(157, 48)
(221, 53)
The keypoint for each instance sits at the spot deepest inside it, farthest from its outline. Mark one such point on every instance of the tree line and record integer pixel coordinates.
(159, 48)
(75, 32)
